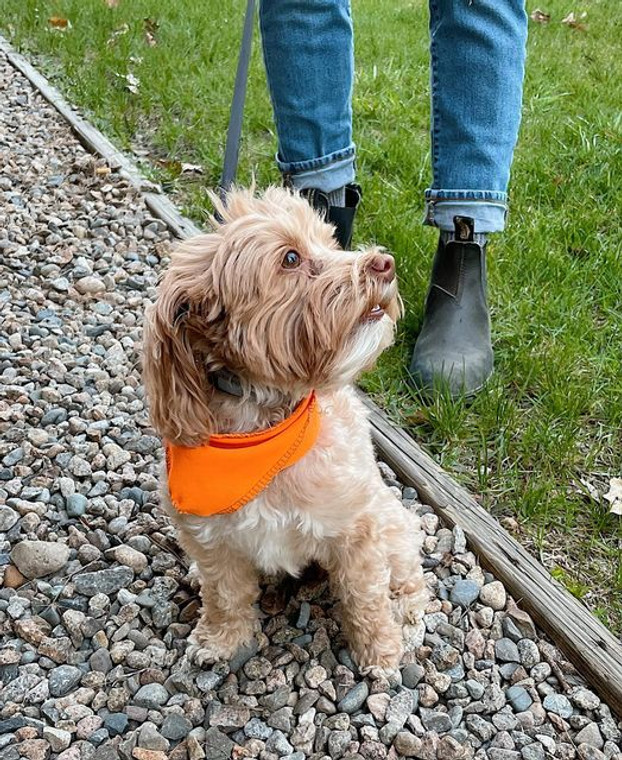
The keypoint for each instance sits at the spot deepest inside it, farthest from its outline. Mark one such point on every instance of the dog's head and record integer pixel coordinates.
(269, 296)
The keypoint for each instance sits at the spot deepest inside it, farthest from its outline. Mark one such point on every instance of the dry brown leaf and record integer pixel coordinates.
(103, 170)
(540, 17)
(173, 166)
(150, 27)
(58, 22)
(574, 21)
(614, 496)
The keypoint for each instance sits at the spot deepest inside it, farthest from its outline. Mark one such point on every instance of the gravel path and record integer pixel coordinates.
(95, 609)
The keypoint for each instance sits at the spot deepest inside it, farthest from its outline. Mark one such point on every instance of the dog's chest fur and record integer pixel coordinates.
(289, 523)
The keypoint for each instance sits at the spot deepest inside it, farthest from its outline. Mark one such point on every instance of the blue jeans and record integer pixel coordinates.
(477, 53)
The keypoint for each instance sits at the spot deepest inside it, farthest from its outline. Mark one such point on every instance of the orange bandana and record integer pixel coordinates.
(230, 470)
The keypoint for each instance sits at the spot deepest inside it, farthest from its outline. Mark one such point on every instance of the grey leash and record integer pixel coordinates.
(234, 131)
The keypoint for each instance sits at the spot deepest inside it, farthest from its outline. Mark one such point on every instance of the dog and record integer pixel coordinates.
(262, 325)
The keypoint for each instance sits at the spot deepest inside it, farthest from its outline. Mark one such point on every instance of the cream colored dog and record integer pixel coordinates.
(270, 297)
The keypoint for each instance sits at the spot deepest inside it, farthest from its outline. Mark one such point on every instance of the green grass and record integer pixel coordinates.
(553, 413)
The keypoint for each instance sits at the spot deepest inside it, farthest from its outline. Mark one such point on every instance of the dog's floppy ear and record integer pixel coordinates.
(173, 371)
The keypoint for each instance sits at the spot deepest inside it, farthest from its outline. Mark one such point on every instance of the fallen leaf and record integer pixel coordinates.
(592, 491)
(614, 496)
(150, 27)
(191, 169)
(540, 17)
(112, 3)
(574, 21)
(131, 82)
(58, 22)
(103, 170)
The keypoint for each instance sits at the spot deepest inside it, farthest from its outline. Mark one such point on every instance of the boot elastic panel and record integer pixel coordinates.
(342, 217)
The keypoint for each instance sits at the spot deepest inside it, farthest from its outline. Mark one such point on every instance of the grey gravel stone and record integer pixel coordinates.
(63, 679)
(35, 559)
(106, 581)
(558, 704)
(257, 729)
(175, 727)
(76, 504)
(584, 699)
(519, 698)
(277, 743)
(217, 746)
(8, 518)
(412, 675)
(354, 699)
(590, 735)
(434, 720)
(464, 593)
(116, 723)
(528, 653)
(152, 696)
(506, 650)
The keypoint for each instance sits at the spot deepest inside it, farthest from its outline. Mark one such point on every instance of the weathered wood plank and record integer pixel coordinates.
(593, 650)
(162, 208)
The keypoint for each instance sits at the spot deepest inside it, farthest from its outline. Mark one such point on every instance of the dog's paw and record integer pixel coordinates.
(375, 672)
(381, 654)
(207, 646)
(193, 578)
(202, 656)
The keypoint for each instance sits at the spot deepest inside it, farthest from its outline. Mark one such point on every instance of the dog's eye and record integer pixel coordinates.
(291, 260)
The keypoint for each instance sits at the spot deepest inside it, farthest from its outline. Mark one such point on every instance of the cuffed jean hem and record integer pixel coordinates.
(326, 173)
(487, 208)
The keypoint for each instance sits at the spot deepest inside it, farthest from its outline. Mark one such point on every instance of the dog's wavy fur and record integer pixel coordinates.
(227, 301)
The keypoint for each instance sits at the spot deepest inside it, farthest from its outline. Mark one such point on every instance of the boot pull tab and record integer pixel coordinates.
(464, 229)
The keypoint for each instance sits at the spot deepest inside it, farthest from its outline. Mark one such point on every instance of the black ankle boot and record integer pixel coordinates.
(341, 216)
(454, 348)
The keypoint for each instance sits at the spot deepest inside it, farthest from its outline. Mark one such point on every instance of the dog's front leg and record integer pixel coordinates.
(360, 575)
(229, 589)
(402, 535)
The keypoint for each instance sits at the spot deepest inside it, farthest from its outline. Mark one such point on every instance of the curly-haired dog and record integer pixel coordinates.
(263, 325)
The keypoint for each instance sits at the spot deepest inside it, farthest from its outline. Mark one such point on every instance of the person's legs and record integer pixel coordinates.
(477, 50)
(309, 57)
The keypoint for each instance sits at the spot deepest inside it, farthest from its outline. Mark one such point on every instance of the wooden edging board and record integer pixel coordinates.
(592, 649)
(588, 644)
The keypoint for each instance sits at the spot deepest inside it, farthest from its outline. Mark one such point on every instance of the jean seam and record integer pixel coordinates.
(434, 110)
(265, 62)
(474, 196)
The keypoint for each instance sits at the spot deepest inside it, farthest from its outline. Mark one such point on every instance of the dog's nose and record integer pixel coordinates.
(382, 265)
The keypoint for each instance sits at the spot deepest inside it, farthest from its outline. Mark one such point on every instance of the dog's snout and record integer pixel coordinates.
(382, 265)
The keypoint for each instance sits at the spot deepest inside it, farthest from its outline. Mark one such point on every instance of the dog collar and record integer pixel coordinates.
(230, 470)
